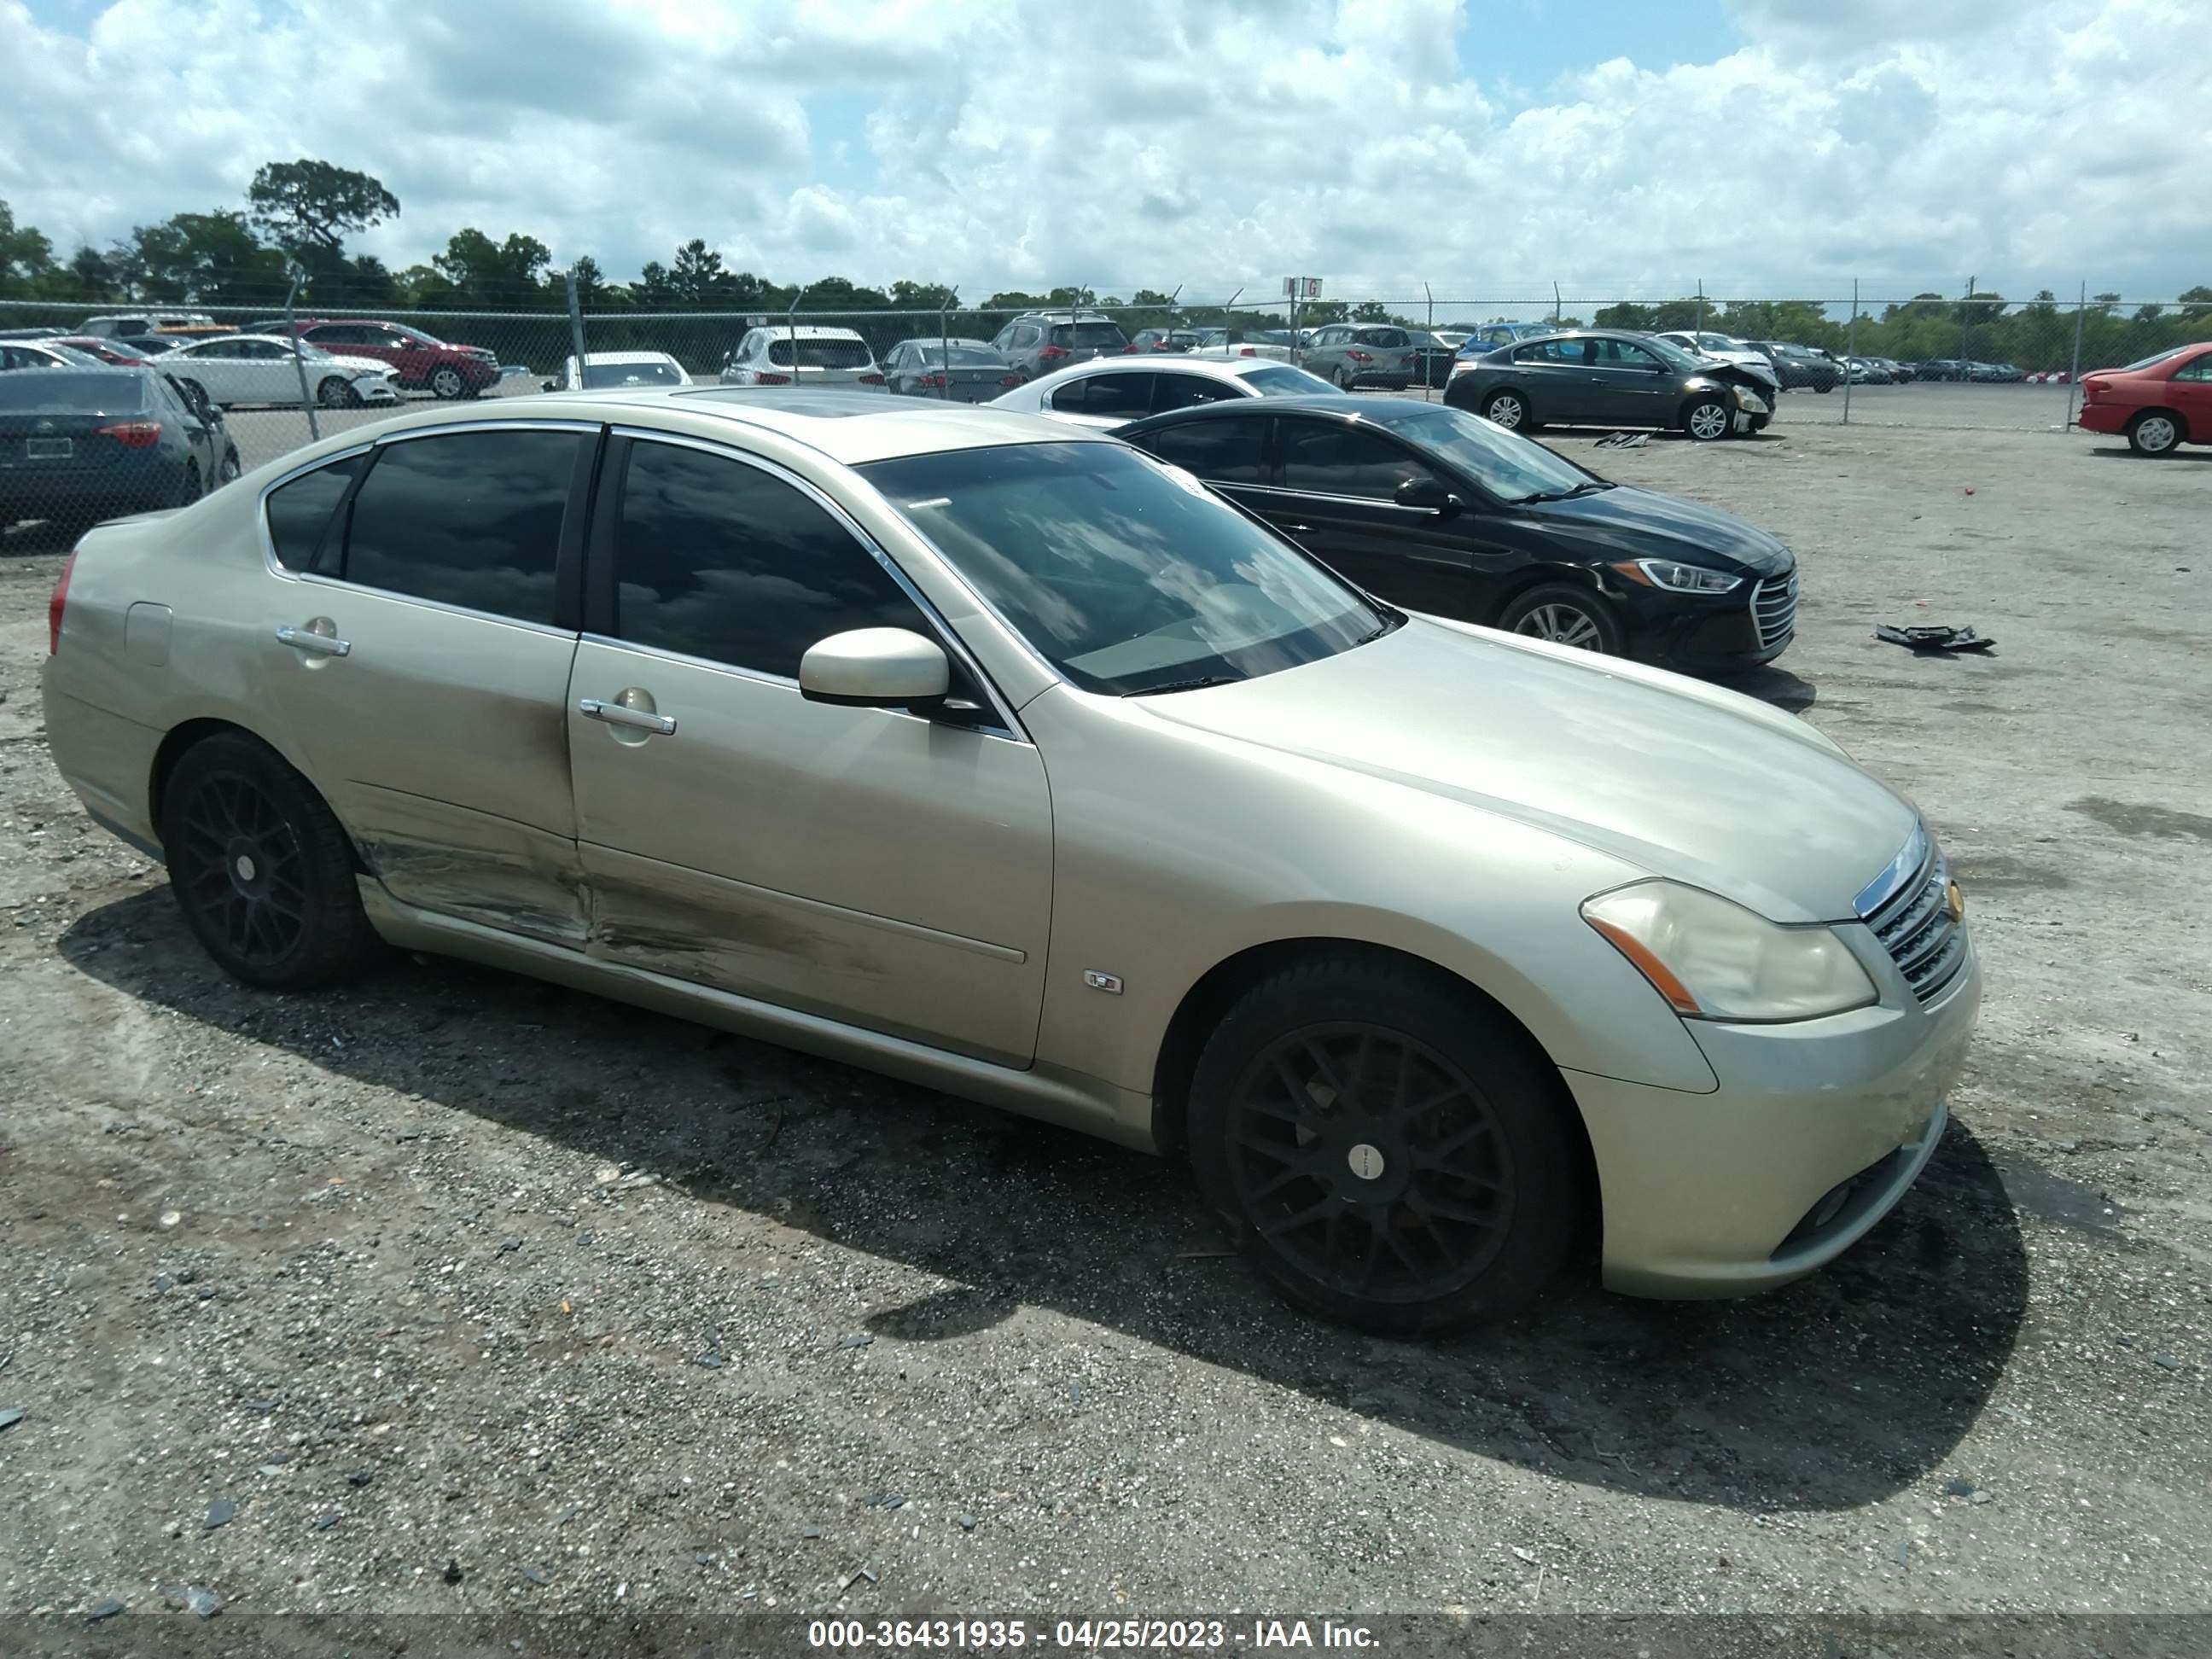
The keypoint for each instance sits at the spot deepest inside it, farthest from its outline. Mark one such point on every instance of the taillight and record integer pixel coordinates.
(1051, 352)
(131, 434)
(57, 604)
(872, 380)
(763, 378)
(1010, 380)
(2092, 389)
(1359, 357)
(932, 380)
(1249, 352)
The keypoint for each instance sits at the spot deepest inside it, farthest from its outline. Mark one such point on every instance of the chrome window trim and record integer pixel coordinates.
(1352, 501)
(277, 567)
(1911, 859)
(309, 578)
(948, 637)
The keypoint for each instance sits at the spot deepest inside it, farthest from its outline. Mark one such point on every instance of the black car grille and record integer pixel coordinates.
(1918, 929)
(1774, 608)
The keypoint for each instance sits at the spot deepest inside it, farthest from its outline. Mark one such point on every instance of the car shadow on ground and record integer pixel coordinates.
(2121, 451)
(1834, 1392)
(1778, 686)
(39, 535)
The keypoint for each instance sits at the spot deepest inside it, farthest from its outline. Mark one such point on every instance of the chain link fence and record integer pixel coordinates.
(74, 450)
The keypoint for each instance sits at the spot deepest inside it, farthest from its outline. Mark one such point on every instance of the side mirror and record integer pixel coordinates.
(1428, 494)
(549, 384)
(875, 668)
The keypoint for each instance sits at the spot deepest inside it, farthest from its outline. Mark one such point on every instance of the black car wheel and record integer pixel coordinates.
(2155, 432)
(337, 392)
(1706, 419)
(262, 872)
(447, 383)
(1388, 1150)
(1507, 409)
(1825, 385)
(1565, 615)
(229, 471)
(188, 487)
(1345, 377)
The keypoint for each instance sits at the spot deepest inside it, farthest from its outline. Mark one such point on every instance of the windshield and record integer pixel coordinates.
(1089, 336)
(820, 354)
(105, 391)
(1505, 463)
(599, 376)
(1127, 576)
(1284, 381)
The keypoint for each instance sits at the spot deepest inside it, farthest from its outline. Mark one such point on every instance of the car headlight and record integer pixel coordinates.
(1713, 959)
(1677, 578)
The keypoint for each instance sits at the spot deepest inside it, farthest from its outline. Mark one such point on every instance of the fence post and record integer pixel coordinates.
(1228, 319)
(944, 336)
(1430, 328)
(1850, 350)
(299, 363)
(1555, 305)
(1701, 305)
(2074, 369)
(1965, 322)
(576, 325)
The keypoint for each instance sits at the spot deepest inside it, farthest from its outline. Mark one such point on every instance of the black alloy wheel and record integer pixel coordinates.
(261, 870)
(1388, 1150)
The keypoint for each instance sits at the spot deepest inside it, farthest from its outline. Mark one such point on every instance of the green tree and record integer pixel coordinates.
(697, 276)
(479, 271)
(27, 257)
(207, 258)
(306, 204)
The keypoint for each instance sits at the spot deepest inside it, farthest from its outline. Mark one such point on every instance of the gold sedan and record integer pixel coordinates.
(996, 755)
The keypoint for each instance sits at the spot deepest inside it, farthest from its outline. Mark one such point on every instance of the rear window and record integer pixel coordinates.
(1088, 337)
(598, 376)
(1284, 381)
(820, 354)
(963, 356)
(72, 393)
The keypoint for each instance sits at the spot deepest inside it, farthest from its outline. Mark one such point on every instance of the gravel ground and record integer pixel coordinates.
(456, 1292)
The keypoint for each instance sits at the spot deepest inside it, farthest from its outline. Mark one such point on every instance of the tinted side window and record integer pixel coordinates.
(2199, 370)
(1181, 390)
(1220, 452)
(298, 511)
(1115, 397)
(470, 519)
(722, 561)
(1345, 460)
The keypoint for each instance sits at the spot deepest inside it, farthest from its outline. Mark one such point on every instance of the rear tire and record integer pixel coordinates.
(261, 870)
(2155, 432)
(1345, 380)
(1387, 1151)
(188, 491)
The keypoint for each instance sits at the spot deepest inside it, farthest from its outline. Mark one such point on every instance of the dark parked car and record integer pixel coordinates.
(958, 371)
(1946, 368)
(1038, 342)
(117, 353)
(419, 362)
(1432, 508)
(1165, 339)
(1607, 377)
(1799, 366)
(155, 345)
(78, 445)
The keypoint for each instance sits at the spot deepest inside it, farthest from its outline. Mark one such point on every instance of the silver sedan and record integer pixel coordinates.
(999, 757)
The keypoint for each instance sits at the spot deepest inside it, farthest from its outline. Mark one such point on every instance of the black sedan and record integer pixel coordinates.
(1425, 506)
(956, 370)
(1606, 377)
(78, 445)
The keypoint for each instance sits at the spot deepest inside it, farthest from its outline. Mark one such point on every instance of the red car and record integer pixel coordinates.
(109, 351)
(2160, 404)
(419, 363)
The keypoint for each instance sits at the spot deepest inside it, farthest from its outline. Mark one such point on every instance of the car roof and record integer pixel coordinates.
(942, 339)
(851, 428)
(1216, 368)
(626, 357)
(808, 331)
(1341, 406)
(20, 378)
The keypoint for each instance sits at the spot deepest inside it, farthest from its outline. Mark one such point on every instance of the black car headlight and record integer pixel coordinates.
(1675, 577)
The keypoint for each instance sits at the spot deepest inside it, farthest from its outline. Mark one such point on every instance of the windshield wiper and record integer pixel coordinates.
(1589, 489)
(1198, 683)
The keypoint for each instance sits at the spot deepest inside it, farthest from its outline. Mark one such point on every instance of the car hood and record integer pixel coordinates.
(1643, 524)
(1680, 778)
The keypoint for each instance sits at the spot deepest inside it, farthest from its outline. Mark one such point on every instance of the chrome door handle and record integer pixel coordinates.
(592, 708)
(1299, 529)
(321, 644)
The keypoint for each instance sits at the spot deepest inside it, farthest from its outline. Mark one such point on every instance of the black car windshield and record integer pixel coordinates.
(598, 377)
(1126, 575)
(1507, 464)
(100, 390)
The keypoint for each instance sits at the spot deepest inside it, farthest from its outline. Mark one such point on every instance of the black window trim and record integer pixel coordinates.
(599, 619)
(568, 553)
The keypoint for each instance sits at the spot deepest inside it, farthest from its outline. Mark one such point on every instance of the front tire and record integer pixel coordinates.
(1706, 419)
(1390, 1153)
(1566, 614)
(446, 383)
(337, 394)
(260, 868)
(2155, 432)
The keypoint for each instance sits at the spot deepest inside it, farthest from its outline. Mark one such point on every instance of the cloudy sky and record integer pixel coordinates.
(1488, 147)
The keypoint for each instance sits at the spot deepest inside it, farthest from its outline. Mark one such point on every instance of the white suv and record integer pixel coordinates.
(802, 357)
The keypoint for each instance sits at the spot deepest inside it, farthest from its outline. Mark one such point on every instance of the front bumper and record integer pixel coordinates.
(1698, 633)
(1738, 1191)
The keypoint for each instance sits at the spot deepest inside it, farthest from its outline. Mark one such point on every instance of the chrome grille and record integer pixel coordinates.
(1774, 608)
(1916, 927)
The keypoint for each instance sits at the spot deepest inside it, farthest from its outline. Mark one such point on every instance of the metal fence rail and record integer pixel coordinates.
(1984, 361)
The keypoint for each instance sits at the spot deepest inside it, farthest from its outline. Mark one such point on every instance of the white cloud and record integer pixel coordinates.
(1207, 142)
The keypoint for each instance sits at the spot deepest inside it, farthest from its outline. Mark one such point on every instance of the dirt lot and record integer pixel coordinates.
(458, 1292)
